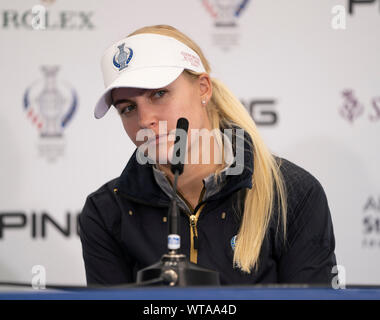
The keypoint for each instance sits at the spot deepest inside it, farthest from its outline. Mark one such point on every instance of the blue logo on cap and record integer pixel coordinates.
(121, 59)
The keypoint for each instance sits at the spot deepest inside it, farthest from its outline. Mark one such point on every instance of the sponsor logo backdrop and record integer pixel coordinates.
(312, 88)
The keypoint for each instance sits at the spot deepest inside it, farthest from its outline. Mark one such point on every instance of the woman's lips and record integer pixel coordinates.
(158, 138)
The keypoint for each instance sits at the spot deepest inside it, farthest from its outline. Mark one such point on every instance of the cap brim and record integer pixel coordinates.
(145, 78)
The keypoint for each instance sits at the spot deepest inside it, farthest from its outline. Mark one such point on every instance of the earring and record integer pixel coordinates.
(203, 101)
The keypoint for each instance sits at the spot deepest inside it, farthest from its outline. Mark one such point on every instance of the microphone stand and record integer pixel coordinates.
(174, 269)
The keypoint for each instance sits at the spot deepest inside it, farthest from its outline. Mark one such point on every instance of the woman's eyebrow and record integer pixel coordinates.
(115, 103)
(142, 92)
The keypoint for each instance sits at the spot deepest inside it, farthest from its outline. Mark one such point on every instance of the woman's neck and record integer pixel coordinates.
(190, 182)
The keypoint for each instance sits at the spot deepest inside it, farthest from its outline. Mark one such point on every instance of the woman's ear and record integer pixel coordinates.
(205, 87)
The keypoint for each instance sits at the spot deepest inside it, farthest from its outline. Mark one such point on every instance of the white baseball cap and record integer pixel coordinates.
(148, 61)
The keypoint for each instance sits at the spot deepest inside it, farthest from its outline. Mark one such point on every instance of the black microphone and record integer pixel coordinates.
(180, 144)
(174, 269)
(177, 164)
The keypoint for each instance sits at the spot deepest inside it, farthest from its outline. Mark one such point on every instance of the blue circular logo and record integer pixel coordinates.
(233, 242)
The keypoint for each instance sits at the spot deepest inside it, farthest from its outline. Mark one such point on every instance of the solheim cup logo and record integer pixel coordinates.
(122, 58)
(225, 12)
(351, 108)
(50, 106)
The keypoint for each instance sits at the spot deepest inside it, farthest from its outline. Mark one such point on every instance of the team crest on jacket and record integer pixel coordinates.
(122, 58)
(233, 242)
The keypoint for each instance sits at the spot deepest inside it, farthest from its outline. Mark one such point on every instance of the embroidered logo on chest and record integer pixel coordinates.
(233, 242)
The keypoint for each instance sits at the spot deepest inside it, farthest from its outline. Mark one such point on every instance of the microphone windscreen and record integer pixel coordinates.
(183, 124)
(180, 145)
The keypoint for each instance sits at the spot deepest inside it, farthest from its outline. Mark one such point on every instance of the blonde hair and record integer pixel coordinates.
(224, 111)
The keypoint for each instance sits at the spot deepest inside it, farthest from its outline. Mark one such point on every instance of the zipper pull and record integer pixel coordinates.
(193, 220)
(193, 223)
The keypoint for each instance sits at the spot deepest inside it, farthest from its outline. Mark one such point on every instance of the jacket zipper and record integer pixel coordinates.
(193, 219)
(194, 235)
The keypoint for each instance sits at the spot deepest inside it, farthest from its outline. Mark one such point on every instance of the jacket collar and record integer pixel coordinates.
(137, 181)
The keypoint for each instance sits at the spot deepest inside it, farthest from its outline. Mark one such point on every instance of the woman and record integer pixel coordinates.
(270, 223)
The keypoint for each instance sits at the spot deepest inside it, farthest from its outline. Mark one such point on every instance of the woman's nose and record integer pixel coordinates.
(147, 117)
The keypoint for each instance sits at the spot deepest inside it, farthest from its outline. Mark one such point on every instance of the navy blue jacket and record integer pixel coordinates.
(124, 231)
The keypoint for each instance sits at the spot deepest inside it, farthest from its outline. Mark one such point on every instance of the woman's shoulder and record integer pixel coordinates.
(101, 204)
(296, 176)
(104, 191)
(300, 184)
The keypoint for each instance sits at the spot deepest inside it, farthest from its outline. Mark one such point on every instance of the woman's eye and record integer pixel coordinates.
(127, 109)
(160, 93)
